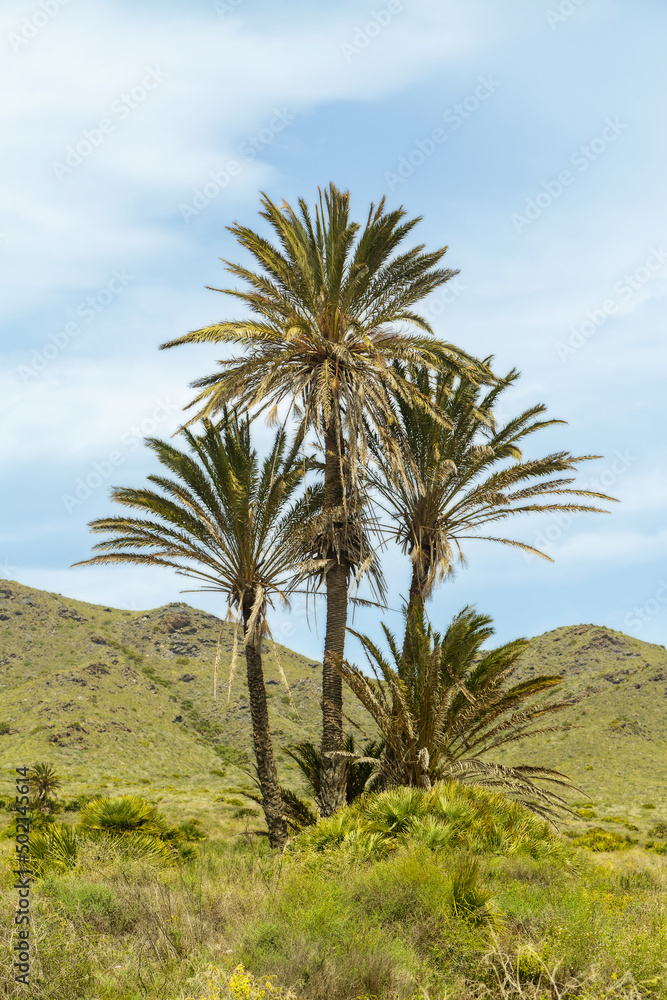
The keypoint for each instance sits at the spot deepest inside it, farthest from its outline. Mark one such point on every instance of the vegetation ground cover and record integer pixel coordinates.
(504, 908)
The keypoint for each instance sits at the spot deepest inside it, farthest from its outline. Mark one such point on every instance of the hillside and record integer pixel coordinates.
(616, 748)
(123, 701)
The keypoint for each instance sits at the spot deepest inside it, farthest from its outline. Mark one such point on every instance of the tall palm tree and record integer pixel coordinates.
(444, 706)
(331, 306)
(466, 474)
(230, 523)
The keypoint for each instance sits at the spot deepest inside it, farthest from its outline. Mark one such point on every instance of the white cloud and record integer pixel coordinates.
(214, 83)
(82, 410)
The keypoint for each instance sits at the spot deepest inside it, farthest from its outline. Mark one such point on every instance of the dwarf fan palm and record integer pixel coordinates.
(328, 309)
(467, 474)
(444, 705)
(231, 524)
(124, 814)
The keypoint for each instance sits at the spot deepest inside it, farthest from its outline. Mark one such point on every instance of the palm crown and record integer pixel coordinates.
(445, 704)
(223, 519)
(327, 310)
(462, 476)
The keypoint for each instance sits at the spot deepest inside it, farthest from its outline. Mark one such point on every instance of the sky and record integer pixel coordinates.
(529, 136)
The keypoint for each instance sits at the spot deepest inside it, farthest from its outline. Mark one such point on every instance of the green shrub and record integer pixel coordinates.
(450, 815)
(597, 839)
(121, 815)
(131, 654)
(470, 898)
(96, 906)
(135, 828)
(228, 755)
(243, 812)
(191, 830)
(55, 849)
(73, 805)
(586, 812)
(622, 820)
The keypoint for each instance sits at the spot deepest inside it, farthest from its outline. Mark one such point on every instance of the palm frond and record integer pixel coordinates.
(445, 705)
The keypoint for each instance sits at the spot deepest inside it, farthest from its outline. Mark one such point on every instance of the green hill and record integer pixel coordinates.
(123, 701)
(616, 748)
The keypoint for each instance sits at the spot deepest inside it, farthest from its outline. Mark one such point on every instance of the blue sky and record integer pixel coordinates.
(530, 136)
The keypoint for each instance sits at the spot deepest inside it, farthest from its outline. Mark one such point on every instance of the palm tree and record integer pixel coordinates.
(329, 307)
(230, 524)
(44, 783)
(444, 705)
(361, 773)
(466, 474)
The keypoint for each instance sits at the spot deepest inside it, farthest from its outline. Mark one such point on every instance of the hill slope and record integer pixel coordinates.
(122, 700)
(616, 748)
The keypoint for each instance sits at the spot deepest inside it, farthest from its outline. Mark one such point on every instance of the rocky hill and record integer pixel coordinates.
(122, 700)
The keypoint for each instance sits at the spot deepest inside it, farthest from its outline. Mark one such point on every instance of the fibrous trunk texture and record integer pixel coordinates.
(333, 779)
(259, 713)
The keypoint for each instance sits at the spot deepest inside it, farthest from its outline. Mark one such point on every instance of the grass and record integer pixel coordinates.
(526, 915)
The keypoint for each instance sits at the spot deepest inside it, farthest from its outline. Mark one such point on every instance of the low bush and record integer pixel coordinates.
(448, 816)
(598, 839)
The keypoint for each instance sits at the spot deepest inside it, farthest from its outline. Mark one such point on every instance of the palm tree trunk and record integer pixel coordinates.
(415, 602)
(334, 770)
(415, 605)
(272, 802)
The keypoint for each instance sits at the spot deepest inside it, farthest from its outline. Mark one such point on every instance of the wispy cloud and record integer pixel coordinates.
(100, 264)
